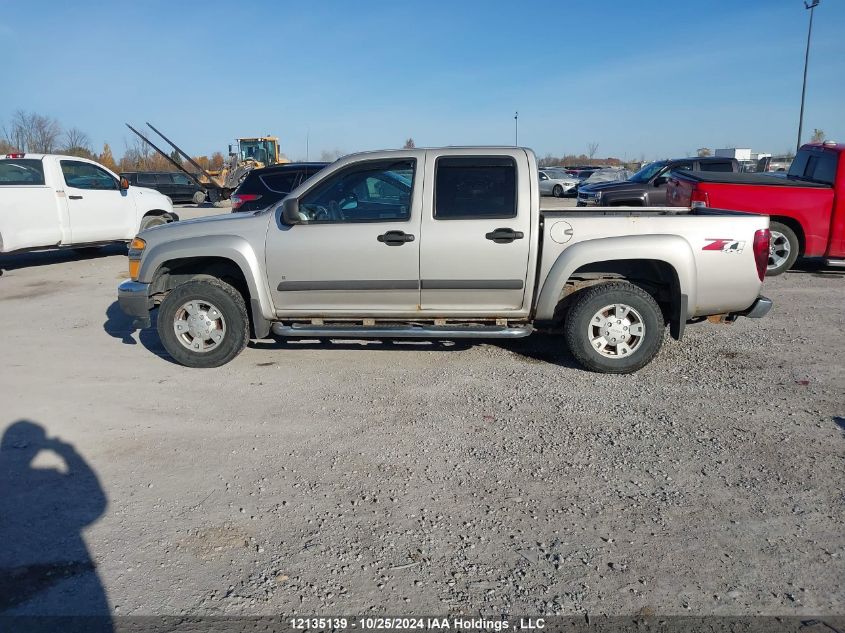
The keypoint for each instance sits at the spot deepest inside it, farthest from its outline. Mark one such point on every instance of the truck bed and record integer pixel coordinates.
(738, 178)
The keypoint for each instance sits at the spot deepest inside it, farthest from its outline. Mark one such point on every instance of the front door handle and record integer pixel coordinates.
(75, 197)
(504, 236)
(395, 238)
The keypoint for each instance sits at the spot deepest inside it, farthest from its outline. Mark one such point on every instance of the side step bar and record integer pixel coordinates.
(835, 263)
(402, 331)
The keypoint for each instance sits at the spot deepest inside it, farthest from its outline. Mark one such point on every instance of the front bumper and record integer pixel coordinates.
(134, 299)
(758, 309)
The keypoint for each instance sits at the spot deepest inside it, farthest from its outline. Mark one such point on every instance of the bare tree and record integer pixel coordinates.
(704, 151)
(592, 148)
(76, 143)
(327, 156)
(409, 144)
(35, 133)
(818, 136)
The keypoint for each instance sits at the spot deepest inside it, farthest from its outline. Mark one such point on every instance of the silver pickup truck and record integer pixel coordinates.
(445, 244)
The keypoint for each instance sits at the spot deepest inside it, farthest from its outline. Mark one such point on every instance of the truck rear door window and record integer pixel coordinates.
(471, 188)
(21, 171)
(164, 179)
(146, 179)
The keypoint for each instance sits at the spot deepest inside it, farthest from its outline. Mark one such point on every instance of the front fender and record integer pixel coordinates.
(231, 247)
(671, 249)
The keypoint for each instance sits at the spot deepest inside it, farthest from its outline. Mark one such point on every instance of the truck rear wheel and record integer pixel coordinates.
(783, 249)
(203, 323)
(614, 328)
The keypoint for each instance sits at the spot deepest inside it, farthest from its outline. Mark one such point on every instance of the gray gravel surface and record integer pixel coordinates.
(309, 477)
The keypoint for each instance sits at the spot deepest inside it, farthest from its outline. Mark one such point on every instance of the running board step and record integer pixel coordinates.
(835, 263)
(402, 331)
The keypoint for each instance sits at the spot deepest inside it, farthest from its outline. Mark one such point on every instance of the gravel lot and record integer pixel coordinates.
(417, 478)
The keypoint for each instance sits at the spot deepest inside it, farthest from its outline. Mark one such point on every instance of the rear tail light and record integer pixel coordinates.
(239, 199)
(699, 199)
(761, 251)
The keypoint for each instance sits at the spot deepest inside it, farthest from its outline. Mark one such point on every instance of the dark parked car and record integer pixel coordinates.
(647, 188)
(264, 187)
(176, 186)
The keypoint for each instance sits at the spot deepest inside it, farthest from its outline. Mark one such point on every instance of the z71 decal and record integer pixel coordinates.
(725, 246)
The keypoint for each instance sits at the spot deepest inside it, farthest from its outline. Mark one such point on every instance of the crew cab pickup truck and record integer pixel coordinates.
(647, 187)
(443, 243)
(807, 208)
(51, 201)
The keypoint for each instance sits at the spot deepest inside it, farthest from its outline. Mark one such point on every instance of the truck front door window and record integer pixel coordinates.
(87, 176)
(372, 192)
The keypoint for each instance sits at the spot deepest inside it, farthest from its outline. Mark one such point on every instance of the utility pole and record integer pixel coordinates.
(811, 5)
(516, 127)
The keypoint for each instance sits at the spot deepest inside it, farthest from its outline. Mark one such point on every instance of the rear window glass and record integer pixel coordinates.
(713, 166)
(817, 166)
(146, 179)
(283, 182)
(468, 187)
(21, 171)
(164, 179)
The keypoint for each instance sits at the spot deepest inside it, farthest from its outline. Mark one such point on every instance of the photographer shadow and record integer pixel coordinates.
(45, 566)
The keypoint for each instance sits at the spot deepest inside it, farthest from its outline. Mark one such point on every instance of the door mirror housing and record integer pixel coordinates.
(660, 181)
(123, 184)
(290, 211)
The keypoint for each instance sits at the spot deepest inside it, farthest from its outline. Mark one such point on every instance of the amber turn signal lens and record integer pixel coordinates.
(137, 244)
(134, 267)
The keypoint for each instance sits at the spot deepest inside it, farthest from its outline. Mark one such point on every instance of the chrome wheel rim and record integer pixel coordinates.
(779, 249)
(199, 326)
(616, 331)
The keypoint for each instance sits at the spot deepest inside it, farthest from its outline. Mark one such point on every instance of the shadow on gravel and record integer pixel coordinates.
(541, 348)
(45, 566)
(60, 256)
(817, 268)
(119, 325)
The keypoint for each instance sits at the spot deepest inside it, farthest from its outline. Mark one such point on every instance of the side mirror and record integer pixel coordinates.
(660, 181)
(124, 184)
(290, 211)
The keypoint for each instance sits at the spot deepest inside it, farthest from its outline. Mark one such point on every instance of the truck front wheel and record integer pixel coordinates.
(203, 323)
(783, 249)
(614, 328)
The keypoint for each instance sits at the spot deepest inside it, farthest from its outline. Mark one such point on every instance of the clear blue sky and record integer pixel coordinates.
(639, 78)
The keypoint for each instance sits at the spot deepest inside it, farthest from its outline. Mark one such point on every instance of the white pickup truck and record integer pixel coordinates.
(444, 243)
(49, 201)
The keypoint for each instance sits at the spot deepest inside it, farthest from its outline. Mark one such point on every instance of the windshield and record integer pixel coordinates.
(261, 151)
(649, 171)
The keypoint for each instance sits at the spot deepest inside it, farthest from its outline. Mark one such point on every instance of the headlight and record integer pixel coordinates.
(136, 251)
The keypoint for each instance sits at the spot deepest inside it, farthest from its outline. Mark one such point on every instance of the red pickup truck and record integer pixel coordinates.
(807, 207)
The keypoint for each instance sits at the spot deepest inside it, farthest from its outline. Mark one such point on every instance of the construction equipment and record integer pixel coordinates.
(252, 153)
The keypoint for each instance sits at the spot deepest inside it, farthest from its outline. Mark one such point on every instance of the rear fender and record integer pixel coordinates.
(671, 249)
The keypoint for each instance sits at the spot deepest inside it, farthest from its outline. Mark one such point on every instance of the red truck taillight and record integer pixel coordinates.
(761, 251)
(699, 199)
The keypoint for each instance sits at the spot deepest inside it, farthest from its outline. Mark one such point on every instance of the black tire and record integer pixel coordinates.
(557, 191)
(578, 327)
(780, 261)
(234, 316)
(151, 221)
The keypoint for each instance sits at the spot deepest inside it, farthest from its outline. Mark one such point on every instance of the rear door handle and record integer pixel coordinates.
(504, 236)
(395, 238)
(75, 197)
